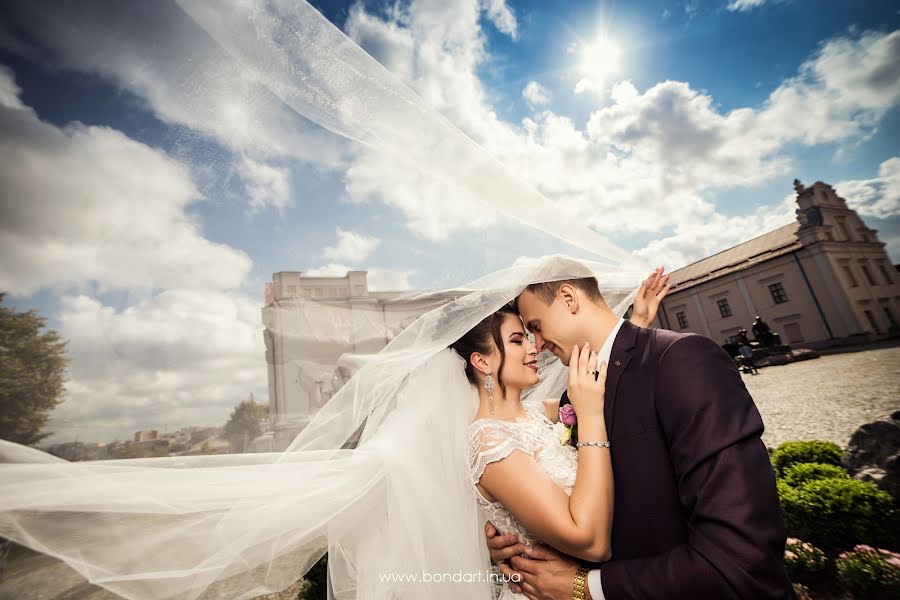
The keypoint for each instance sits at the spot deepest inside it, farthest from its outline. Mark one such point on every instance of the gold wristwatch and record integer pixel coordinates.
(580, 584)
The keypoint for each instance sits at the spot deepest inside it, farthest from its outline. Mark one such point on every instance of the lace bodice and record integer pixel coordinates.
(491, 440)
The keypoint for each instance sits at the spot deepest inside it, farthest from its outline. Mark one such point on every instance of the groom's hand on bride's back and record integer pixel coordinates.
(502, 547)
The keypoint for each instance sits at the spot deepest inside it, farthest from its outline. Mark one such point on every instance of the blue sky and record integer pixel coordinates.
(154, 186)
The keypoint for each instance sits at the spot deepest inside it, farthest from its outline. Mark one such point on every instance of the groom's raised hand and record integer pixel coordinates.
(651, 293)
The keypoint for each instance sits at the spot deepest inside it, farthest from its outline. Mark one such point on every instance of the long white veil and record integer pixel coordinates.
(378, 477)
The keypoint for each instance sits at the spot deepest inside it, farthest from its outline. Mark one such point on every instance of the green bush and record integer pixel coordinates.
(870, 573)
(801, 473)
(813, 451)
(835, 514)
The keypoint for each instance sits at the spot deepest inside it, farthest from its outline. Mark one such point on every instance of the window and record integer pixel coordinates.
(849, 275)
(292, 290)
(318, 292)
(779, 296)
(872, 322)
(682, 320)
(868, 274)
(307, 292)
(885, 274)
(890, 316)
(724, 309)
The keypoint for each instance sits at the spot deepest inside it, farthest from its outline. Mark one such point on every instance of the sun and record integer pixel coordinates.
(601, 59)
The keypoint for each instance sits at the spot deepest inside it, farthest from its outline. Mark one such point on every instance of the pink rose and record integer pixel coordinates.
(567, 415)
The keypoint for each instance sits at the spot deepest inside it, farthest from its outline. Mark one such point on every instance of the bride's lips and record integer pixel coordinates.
(532, 365)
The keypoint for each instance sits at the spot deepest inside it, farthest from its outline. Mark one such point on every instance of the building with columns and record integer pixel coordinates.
(823, 280)
(310, 322)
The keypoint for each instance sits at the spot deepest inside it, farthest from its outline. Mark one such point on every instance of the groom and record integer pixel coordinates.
(696, 511)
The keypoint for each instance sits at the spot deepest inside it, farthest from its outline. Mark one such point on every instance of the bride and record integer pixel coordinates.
(528, 482)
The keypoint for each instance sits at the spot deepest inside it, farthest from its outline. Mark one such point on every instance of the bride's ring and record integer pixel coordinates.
(589, 372)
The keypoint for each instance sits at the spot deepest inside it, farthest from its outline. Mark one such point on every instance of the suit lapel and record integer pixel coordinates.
(618, 359)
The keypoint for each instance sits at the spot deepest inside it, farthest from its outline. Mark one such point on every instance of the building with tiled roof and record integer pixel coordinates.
(822, 280)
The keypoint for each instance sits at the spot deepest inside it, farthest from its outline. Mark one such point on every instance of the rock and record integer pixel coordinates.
(873, 453)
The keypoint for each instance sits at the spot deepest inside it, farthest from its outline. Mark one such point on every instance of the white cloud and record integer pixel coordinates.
(9, 91)
(877, 197)
(266, 185)
(692, 241)
(185, 79)
(390, 280)
(351, 247)
(842, 92)
(182, 357)
(745, 5)
(501, 16)
(86, 204)
(536, 94)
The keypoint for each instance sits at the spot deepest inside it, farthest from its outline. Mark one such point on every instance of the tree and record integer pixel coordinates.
(32, 374)
(244, 424)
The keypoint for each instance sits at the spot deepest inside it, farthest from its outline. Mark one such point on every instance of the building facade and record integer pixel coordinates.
(822, 280)
(310, 322)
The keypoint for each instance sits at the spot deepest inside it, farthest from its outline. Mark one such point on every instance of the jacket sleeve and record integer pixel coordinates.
(726, 486)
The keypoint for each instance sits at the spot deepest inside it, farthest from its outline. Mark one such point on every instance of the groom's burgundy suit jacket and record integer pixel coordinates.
(696, 513)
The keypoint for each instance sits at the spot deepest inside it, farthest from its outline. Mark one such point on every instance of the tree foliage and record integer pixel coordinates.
(245, 423)
(32, 374)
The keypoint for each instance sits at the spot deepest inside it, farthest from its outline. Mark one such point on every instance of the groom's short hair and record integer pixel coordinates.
(546, 291)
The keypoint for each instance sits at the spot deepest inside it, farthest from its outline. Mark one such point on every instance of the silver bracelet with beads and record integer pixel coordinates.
(598, 444)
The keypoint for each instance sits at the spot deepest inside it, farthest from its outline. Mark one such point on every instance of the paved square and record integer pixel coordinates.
(826, 398)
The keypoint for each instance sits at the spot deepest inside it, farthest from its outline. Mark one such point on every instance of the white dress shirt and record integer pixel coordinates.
(593, 579)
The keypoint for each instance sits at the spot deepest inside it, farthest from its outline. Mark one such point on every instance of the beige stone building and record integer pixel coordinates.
(822, 280)
(310, 322)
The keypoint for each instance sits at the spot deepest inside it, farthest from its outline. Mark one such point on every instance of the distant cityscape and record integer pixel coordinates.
(187, 441)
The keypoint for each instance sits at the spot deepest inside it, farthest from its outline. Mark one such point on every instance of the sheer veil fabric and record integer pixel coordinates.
(378, 478)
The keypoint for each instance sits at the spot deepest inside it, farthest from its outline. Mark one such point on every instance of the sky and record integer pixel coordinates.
(152, 183)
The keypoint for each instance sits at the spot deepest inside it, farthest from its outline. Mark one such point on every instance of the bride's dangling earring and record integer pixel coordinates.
(489, 386)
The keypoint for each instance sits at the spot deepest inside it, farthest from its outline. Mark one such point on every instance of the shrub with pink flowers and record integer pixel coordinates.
(802, 559)
(869, 572)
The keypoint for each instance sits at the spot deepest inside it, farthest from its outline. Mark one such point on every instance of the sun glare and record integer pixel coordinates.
(601, 58)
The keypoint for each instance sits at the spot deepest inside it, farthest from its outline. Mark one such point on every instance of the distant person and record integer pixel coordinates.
(746, 353)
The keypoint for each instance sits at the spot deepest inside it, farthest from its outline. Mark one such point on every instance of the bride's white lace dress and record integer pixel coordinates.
(491, 440)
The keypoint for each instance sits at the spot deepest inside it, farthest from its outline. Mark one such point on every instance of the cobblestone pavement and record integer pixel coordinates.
(826, 398)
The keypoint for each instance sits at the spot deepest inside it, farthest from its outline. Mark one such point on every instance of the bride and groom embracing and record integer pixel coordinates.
(440, 454)
(667, 492)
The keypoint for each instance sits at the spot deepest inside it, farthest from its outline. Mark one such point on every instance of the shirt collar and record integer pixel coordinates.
(606, 350)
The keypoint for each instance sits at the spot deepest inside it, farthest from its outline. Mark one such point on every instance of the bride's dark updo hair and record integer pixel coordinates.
(482, 339)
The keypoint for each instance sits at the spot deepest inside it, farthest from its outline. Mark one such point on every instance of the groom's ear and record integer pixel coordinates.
(569, 297)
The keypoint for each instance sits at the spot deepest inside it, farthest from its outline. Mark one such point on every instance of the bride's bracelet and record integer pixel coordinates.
(598, 444)
(579, 584)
